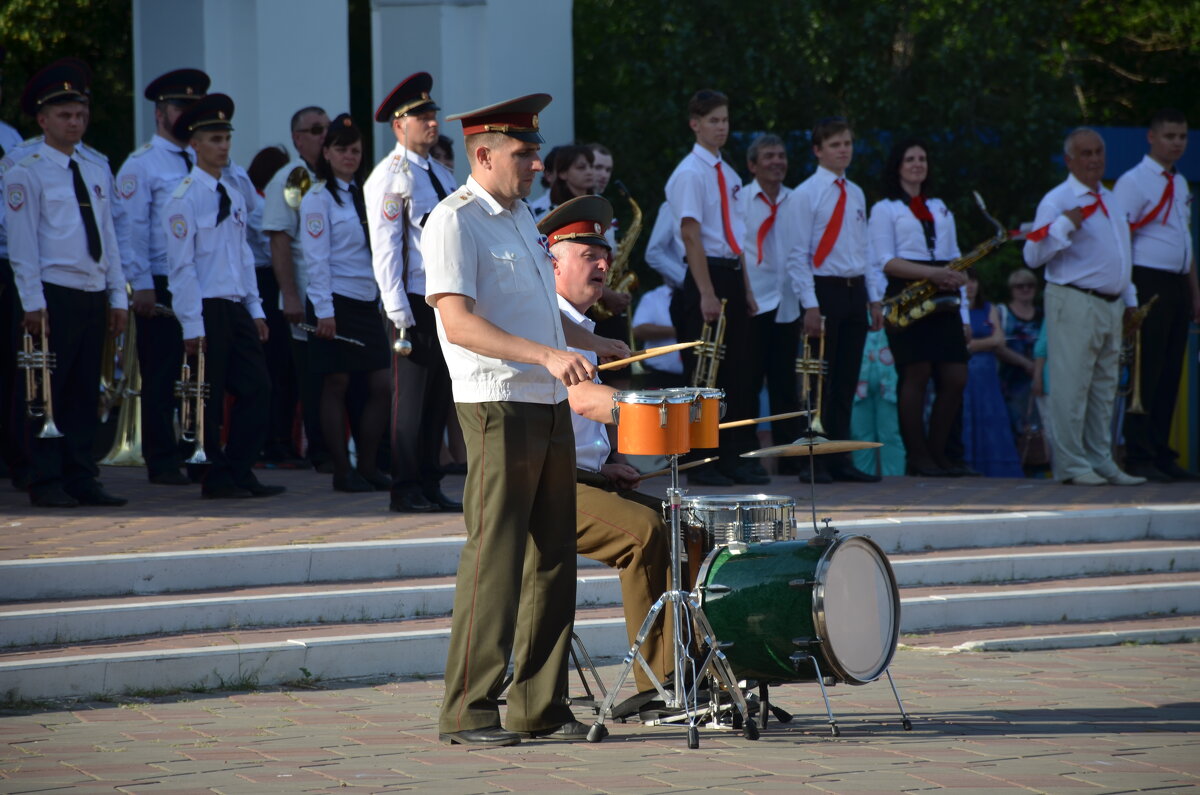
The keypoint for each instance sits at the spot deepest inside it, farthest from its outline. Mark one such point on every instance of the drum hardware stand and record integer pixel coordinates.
(801, 657)
(715, 667)
(584, 668)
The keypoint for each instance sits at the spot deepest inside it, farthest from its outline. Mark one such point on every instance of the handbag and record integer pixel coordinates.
(1031, 445)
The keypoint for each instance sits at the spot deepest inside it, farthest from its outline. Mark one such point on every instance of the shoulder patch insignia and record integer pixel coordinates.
(179, 226)
(392, 206)
(315, 224)
(15, 196)
(127, 186)
(182, 188)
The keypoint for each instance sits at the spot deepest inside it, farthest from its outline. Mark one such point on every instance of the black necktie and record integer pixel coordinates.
(186, 158)
(223, 204)
(85, 210)
(437, 186)
(2, 150)
(360, 207)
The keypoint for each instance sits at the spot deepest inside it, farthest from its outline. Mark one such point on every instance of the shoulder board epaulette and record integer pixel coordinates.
(141, 150)
(397, 164)
(34, 141)
(29, 160)
(460, 198)
(94, 152)
(182, 188)
(317, 186)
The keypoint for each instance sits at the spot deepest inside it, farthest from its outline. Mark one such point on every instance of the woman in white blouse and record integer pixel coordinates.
(343, 301)
(913, 237)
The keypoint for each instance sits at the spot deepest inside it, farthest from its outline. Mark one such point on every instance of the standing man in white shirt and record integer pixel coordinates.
(67, 270)
(10, 310)
(1159, 205)
(144, 186)
(490, 279)
(1081, 235)
(400, 194)
(775, 330)
(214, 292)
(702, 193)
(281, 222)
(836, 279)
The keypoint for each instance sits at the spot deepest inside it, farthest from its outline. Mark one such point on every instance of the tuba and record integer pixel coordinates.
(126, 448)
(1131, 355)
(621, 277)
(38, 364)
(921, 298)
(297, 184)
(711, 351)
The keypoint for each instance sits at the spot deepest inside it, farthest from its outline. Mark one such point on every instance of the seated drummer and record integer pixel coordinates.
(615, 525)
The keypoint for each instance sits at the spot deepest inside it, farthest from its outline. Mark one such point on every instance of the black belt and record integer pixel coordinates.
(1096, 293)
(849, 281)
(728, 263)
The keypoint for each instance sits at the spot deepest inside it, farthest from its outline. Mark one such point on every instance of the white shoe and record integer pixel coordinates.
(1089, 479)
(1125, 479)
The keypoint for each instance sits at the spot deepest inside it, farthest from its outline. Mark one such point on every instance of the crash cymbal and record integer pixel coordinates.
(816, 447)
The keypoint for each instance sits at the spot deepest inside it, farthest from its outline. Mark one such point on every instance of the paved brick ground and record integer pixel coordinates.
(1110, 720)
(161, 518)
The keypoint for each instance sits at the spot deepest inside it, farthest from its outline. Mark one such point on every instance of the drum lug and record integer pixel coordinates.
(738, 547)
(616, 414)
(798, 657)
(799, 583)
(715, 588)
(662, 414)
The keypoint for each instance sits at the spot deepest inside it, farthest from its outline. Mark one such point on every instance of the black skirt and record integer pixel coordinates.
(359, 320)
(937, 337)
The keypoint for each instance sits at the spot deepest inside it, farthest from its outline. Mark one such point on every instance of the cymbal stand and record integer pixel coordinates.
(680, 694)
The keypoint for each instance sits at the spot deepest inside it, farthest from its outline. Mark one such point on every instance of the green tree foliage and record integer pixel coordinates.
(37, 32)
(992, 86)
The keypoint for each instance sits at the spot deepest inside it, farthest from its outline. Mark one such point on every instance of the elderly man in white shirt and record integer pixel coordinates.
(1081, 236)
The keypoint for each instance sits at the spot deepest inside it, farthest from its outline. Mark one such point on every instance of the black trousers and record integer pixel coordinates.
(78, 326)
(308, 386)
(733, 374)
(160, 354)
(11, 424)
(234, 364)
(1164, 340)
(844, 304)
(281, 368)
(773, 351)
(421, 403)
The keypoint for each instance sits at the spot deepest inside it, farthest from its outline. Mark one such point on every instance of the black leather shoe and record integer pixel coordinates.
(443, 503)
(378, 480)
(1148, 471)
(257, 489)
(53, 497)
(705, 476)
(352, 482)
(411, 502)
(1176, 472)
(96, 495)
(493, 735)
(853, 474)
(571, 730)
(227, 491)
(746, 475)
(172, 477)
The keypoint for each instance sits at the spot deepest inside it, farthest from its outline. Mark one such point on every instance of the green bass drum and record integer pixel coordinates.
(775, 605)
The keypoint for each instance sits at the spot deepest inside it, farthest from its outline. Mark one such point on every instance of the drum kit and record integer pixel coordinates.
(753, 604)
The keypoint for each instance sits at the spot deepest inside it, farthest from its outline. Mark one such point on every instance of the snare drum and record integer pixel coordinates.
(713, 521)
(652, 422)
(708, 407)
(834, 600)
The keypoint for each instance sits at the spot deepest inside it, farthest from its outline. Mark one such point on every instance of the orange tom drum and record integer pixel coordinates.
(652, 422)
(708, 407)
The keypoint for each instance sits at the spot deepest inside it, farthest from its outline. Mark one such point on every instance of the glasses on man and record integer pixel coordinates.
(316, 129)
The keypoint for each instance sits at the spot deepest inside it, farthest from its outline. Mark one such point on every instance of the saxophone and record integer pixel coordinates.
(620, 278)
(919, 298)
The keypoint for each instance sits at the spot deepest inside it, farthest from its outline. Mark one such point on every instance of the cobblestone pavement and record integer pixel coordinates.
(1109, 720)
(173, 518)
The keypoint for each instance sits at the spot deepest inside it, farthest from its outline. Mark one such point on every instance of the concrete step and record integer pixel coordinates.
(105, 575)
(69, 621)
(1058, 635)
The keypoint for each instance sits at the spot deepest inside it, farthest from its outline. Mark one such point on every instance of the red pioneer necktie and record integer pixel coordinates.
(730, 238)
(767, 224)
(1039, 234)
(1167, 200)
(833, 228)
(919, 209)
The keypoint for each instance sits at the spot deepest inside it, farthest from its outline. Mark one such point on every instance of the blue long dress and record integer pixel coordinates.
(987, 434)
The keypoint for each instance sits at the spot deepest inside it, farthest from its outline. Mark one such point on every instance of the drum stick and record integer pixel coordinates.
(667, 471)
(649, 353)
(787, 416)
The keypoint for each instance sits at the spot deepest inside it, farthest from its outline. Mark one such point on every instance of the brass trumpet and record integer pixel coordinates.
(38, 365)
(193, 393)
(1131, 355)
(811, 368)
(711, 351)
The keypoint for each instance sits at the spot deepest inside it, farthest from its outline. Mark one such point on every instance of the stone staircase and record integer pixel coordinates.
(143, 623)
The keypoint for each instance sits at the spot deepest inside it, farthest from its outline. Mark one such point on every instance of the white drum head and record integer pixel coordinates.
(858, 610)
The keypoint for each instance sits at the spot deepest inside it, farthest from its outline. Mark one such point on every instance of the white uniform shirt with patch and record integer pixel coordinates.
(10, 141)
(335, 248)
(47, 240)
(694, 192)
(207, 259)
(279, 216)
(385, 193)
(476, 248)
(591, 438)
(144, 186)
